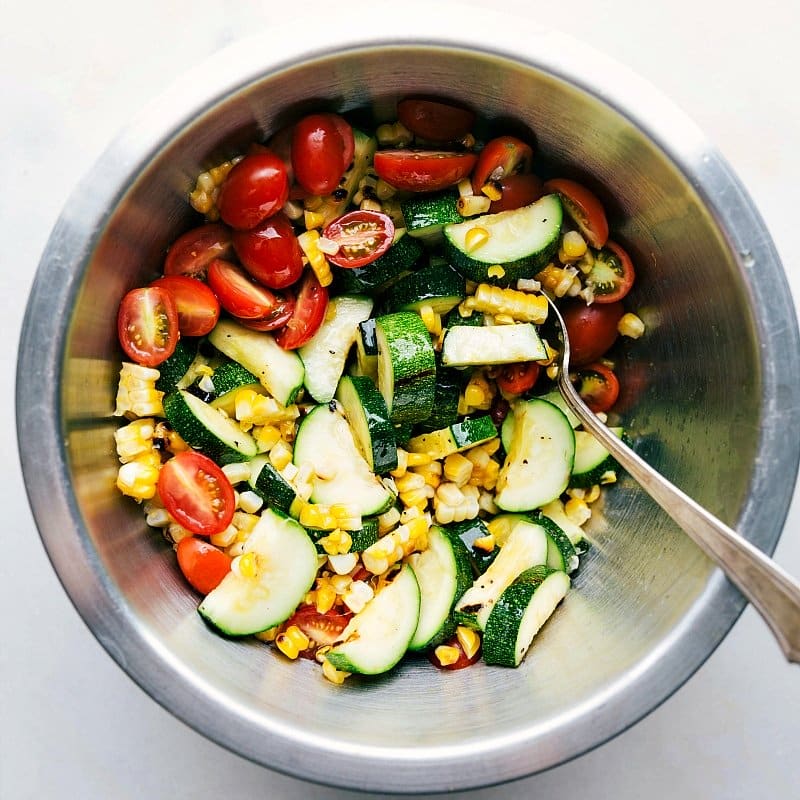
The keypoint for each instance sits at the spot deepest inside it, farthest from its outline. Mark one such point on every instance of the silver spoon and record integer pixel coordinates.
(773, 592)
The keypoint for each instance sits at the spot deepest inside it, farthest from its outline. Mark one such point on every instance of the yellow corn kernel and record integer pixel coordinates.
(388, 520)
(504, 319)
(309, 243)
(402, 464)
(266, 436)
(370, 204)
(325, 598)
(313, 219)
(432, 473)
(486, 503)
(280, 455)
(500, 528)
(317, 516)
(409, 481)
(268, 635)
(203, 198)
(474, 395)
(134, 439)
(492, 190)
(490, 475)
(469, 640)
(137, 395)
(486, 543)
(577, 510)
(287, 646)
(492, 446)
(416, 498)
(495, 271)
(431, 320)
(225, 538)
(520, 306)
(446, 654)
(247, 565)
(332, 674)
(476, 237)
(337, 542)
(418, 459)
(470, 205)
(593, 494)
(557, 280)
(138, 480)
(631, 326)
(573, 245)
(457, 469)
(450, 494)
(608, 477)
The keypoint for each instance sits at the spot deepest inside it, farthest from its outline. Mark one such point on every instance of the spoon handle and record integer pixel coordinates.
(773, 592)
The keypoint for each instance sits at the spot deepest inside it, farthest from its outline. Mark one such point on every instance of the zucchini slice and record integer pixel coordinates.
(426, 215)
(206, 429)
(539, 461)
(270, 485)
(372, 278)
(520, 613)
(360, 540)
(325, 354)
(449, 382)
(286, 567)
(406, 366)
(554, 511)
(592, 460)
(444, 573)
(525, 547)
(279, 371)
(561, 553)
(438, 286)
(468, 345)
(176, 366)
(376, 638)
(367, 350)
(521, 241)
(365, 410)
(325, 441)
(455, 438)
(554, 397)
(228, 379)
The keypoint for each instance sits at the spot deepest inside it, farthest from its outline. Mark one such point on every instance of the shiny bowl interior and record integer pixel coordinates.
(703, 398)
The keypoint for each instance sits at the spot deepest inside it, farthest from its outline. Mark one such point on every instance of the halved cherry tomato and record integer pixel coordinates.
(281, 314)
(518, 378)
(240, 295)
(196, 493)
(362, 237)
(322, 149)
(435, 121)
(423, 170)
(197, 305)
(309, 313)
(598, 387)
(324, 629)
(583, 207)
(270, 252)
(203, 565)
(591, 329)
(191, 253)
(147, 325)
(518, 191)
(256, 188)
(612, 274)
(463, 659)
(501, 157)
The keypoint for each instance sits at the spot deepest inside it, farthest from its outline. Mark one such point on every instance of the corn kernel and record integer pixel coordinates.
(268, 635)
(450, 494)
(246, 565)
(325, 598)
(313, 219)
(469, 640)
(287, 646)
(608, 477)
(388, 520)
(573, 245)
(138, 480)
(409, 481)
(249, 502)
(577, 510)
(593, 494)
(358, 594)
(476, 237)
(495, 271)
(332, 674)
(447, 655)
(415, 498)
(457, 469)
(631, 326)
(472, 205)
(224, 538)
(485, 543)
(492, 190)
(280, 455)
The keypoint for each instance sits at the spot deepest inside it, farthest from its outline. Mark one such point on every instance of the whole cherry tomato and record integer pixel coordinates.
(203, 565)
(591, 329)
(191, 253)
(583, 207)
(256, 188)
(501, 157)
(197, 305)
(270, 252)
(423, 170)
(147, 325)
(308, 316)
(322, 149)
(435, 121)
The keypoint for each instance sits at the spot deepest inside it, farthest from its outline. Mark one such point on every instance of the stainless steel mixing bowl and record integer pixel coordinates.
(710, 393)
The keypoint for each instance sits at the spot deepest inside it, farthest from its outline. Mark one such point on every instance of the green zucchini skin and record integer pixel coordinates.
(427, 214)
(228, 379)
(449, 383)
(374, 278)
(361, 539)
(270, 485)
(592, 460)
(439, 286)
(177, 365)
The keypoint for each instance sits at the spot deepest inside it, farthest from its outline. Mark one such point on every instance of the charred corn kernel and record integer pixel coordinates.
(485, 543)
(136, 392)
(176, 533)
(416, 498)
(472, 205)
(332, 674)
(225, 538)
(337, 542)
(608, 477)
(238, 472)
(249, 502)
(309, 243)
(388, 520)
(457, 469)
(395, 134)
(486, 503)
(492, 190)
(325, 598)
(358, 594)
(469, 640)
(520, 306)
(495, 271)
(280, 455)
(138, 480)
(430, 319)
(344, 563)
(592, 494)
(158, 518)
(577, 511)
(409, 481)
(203, 198)
(476, 237)
(446, 654)
(631, 326)
(573, 246)
(268, 635)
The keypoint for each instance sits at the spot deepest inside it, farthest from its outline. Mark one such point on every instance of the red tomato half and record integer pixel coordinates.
(423, 170)
(518, 378)
(203, 565)
(435, 121)
(196, 493)
(583, 207)
(191, 253)
(239, 294)
(270, 252)
(518, 191)
(322, 149)
(501, 157)
(256, 188)
(147, 325)
(309, 313)
(197, 305)
(324, 629)
(612, 274)
(463, 659)
(276, 319)
(591, 329)
(598, 387)
(362, 237)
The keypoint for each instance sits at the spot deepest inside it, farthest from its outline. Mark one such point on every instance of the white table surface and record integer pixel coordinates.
(72, 725)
